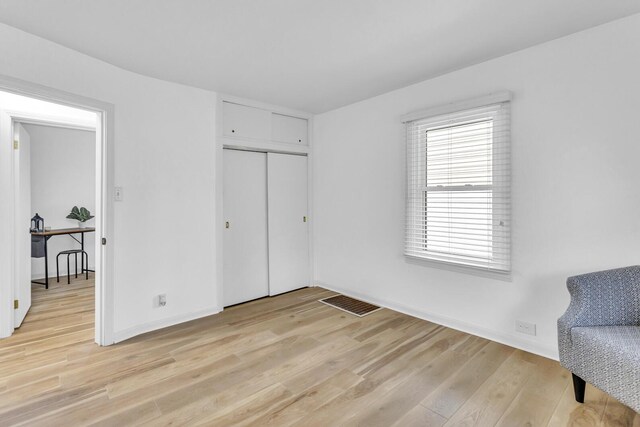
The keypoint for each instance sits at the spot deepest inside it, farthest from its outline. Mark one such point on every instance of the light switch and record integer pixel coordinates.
(117, 194)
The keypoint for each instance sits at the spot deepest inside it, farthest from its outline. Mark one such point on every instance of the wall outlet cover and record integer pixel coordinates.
(525, 327)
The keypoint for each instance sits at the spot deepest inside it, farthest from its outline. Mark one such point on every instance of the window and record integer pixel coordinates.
(458, 193)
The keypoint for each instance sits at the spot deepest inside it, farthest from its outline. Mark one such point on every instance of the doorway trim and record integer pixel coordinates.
(104, 304)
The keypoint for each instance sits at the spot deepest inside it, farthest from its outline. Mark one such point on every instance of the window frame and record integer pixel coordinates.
(500, 199)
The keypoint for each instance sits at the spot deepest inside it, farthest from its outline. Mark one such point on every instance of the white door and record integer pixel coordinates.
(288, 223)
(22, 194)
(246, 269)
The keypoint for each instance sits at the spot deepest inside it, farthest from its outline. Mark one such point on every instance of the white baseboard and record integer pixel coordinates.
(511, 340)
(162, 323)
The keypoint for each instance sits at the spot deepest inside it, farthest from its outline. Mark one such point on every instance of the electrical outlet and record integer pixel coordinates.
(525, 327)
(117, 194)
(162, 300)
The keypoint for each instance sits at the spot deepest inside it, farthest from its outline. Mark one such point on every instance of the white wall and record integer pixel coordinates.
(164, 156)
(63, 174)
(575, 151)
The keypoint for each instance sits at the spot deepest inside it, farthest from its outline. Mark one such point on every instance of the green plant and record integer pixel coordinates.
(81, 214)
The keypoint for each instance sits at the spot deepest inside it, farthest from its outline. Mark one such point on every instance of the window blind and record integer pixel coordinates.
(458, 187)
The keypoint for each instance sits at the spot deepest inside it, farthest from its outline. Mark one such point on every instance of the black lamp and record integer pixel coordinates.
(37, 223)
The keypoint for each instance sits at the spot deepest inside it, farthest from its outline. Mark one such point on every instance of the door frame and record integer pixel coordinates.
(104, 306)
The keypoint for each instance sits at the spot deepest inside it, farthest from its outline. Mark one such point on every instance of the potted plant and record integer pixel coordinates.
(82, 215)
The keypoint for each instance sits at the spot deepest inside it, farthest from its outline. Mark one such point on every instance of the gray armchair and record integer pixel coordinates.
(599, 335)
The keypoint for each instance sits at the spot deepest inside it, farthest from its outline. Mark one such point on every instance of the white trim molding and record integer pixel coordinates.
(511, 340)
(493, 98)
(125, 334)
(264, 106)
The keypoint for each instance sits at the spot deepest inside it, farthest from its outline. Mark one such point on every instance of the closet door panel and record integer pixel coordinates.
(246, 270)
(245, 122)
(291, 130)
(288, 224)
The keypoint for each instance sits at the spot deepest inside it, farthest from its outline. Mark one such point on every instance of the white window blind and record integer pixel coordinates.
(458, 192)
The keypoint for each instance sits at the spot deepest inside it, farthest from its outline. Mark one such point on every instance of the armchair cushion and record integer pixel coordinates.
(607, 341)
(609, 358)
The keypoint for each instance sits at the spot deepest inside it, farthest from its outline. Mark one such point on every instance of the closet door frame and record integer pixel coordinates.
(222, 142)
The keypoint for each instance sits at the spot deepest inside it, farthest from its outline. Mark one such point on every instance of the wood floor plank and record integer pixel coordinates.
(386, 409)
(299, 405)
(487, 405)
(571, 413)
(286, 360)
(420, 416)
(19, 394)
(457, 388)
(223, 395)
(247, 409)
(281, 352)
(130, 416)
(537, 400)
(616, 414)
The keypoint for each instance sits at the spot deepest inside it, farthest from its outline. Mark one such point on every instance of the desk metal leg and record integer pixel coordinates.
(46, 265)
(82, 258)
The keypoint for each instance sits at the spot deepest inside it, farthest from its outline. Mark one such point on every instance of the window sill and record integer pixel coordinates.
(504, 276)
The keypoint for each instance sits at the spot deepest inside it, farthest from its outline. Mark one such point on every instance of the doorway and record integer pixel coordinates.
(24, 106)
(55, 175)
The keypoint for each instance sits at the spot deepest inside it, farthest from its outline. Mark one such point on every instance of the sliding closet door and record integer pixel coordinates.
(246, 269)
(288, 224)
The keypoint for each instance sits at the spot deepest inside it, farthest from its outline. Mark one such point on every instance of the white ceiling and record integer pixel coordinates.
(312, 55)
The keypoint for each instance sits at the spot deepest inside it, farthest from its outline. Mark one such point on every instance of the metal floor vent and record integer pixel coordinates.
(350, 305)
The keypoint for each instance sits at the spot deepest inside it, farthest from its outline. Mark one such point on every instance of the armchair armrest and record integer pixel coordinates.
(604, 298)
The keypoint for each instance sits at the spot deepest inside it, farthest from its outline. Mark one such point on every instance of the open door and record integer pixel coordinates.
(22, 182)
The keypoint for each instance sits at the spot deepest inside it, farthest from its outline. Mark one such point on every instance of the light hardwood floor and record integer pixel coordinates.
(287, 360)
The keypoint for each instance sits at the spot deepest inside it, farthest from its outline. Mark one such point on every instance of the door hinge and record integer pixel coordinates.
(104, 240)
(16, 144)
(16, 304)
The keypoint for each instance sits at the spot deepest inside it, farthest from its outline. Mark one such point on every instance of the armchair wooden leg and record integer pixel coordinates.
(579, 386)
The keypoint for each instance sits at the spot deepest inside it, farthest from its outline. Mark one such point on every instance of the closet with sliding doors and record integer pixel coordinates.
(265, 203)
